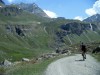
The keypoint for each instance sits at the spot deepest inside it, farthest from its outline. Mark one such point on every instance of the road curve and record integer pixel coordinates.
(73, 65)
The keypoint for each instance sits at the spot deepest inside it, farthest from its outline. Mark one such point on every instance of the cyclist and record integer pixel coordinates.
(83, 48)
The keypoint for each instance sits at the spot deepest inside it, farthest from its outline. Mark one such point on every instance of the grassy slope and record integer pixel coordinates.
(16, 47)
(32, 69)
(87, 36)
(24, 18)
(97, 56)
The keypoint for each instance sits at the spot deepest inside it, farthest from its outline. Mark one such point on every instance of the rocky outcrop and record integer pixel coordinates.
(94, 19)
(33, 8)
(77, 28)
(21, 30)
(10, 11)
(97, 50)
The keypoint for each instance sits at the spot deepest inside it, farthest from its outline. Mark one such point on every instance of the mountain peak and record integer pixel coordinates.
(33, 8)
(94, 18)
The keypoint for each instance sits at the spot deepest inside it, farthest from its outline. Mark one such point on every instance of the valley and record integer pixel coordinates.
(26, 31)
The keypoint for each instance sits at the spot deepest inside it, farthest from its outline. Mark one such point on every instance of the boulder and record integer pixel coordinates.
(25, 59)
(69, 52)
(39, 59)
(6, 63)
(57, 51)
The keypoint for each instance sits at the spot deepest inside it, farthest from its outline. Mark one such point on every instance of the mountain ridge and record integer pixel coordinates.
(33, 8)
(94, 18)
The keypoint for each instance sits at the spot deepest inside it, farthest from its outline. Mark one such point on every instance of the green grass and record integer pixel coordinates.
(38, 42)
(16, 47)
(31, 69)
(25, 18)
(97, 56)
(2, 70)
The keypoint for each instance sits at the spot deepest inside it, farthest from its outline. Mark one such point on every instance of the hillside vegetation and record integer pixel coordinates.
(26, 34)
(21, 34)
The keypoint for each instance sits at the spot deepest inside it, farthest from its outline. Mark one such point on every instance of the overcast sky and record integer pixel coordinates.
(70, 9)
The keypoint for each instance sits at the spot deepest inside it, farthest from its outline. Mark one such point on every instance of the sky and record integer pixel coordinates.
(70, 9)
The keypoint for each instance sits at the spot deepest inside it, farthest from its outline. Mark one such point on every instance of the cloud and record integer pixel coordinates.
(94, 10)
(90, 11)
(50, 13)
(78, 18)
(10, 1)
(96, 6)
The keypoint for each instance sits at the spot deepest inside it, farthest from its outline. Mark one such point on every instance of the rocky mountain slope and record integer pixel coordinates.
(94, 18)
(72, 31)
(33, 8)
(29, 33)
(21, 34)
